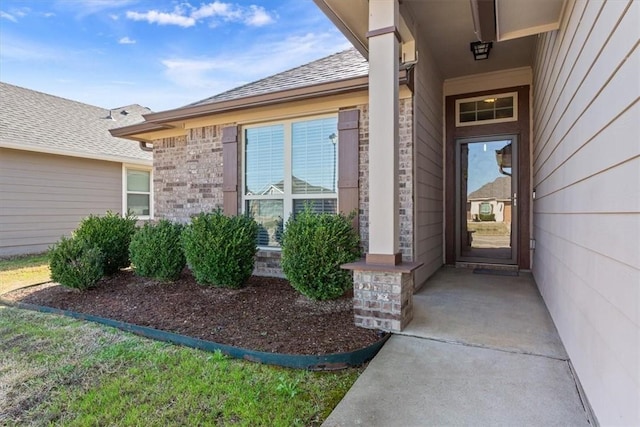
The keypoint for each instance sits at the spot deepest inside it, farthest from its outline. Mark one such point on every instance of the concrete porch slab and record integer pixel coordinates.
(418, 382)
(481, 350)
(492, 311)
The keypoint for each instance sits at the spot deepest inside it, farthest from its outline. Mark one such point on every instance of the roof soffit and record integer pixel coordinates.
(447, 27)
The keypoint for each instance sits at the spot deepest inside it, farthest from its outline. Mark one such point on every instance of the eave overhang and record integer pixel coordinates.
(165, 121)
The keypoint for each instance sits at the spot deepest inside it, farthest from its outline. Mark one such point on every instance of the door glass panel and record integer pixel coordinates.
(486, 200)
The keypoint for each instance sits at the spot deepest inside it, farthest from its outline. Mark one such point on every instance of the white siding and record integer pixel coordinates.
(44, 196)
(429, 169)
(586, 171)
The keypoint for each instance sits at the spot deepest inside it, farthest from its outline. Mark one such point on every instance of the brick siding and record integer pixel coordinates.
(188, 180)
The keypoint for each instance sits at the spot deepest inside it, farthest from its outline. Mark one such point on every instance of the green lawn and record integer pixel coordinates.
(21, 271)
(60, 371)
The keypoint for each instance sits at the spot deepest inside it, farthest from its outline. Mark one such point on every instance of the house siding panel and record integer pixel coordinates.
(45, 196)
(429, 215)
(586, 172)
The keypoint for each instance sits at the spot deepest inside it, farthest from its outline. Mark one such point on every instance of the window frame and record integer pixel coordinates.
(476, 122)
(125, 192)
(288, 196)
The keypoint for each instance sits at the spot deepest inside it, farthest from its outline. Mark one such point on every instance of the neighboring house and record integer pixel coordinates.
(58, 164)
(491, 200)
(560, 87)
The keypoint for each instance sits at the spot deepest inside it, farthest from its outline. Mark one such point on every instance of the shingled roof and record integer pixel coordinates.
(339, 66)
(499, 189)
(36, 121)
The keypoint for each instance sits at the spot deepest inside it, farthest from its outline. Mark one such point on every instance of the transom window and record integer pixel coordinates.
(487, 109)
(289, 165)
(137, 194)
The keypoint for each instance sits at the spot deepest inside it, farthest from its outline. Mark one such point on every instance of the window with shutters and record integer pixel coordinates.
(289, 165)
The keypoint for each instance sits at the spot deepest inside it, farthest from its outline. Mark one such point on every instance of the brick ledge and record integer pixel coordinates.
(404, 267)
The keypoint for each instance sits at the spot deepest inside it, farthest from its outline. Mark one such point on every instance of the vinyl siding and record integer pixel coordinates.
(45, 196)
(586, 172)
(428, 107)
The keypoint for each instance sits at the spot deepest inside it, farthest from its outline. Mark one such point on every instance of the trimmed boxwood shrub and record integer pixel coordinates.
(76, 264)
(314, 245)
(156, 251)
(487, 217)
(220, 250)
(112, 234)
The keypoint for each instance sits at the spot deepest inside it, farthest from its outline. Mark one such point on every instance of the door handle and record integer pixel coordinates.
(515, 199)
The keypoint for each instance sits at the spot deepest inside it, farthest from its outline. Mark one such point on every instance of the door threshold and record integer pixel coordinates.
(486, 265)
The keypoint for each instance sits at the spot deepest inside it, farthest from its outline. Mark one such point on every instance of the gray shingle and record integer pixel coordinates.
(500, 189)
(343, 65)
(34, 119)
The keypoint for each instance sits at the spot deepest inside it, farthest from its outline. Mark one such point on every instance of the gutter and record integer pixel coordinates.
(161, 120)
(78, 154)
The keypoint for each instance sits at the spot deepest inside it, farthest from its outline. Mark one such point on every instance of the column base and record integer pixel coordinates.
(382, 295)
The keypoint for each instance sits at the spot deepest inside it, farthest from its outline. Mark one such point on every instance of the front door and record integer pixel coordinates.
(486, 199)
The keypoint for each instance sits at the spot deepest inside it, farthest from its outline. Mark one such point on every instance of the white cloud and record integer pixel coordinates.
(18, 49)
(258, 17)
(215, 9)
(113, 16)
(186, 15)
(8, 16)
(83, 8)
(226, 71)
(126, 40)
(162, 18)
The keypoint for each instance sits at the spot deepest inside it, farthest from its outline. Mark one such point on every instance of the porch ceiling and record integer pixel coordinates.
(447, 27)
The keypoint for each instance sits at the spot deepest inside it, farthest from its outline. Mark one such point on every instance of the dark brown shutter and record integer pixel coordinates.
(348, 164)
(230, 170)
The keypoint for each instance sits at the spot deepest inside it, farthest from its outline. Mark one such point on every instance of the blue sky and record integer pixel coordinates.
(483, 168)
(159, 54)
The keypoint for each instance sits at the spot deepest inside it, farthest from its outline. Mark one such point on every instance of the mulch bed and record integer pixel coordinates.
(266, 315)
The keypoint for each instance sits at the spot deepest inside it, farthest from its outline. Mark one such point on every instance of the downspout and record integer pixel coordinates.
(145, 147)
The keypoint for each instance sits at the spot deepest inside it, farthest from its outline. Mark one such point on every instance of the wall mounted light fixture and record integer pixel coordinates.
(481, 50)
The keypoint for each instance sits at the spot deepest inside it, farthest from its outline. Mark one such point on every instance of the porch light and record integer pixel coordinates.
(481, 50)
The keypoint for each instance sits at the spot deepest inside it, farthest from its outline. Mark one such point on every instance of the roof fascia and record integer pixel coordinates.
(69, 153)
(305, 92)
(359, 41)
(138, 128)
(169, 119)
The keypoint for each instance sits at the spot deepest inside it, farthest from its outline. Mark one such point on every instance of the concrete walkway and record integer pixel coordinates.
(481, 350)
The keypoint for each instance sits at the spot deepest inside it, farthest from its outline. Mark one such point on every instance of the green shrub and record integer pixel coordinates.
(156, 251)
(487, 217)
(314, 245)
(220, 250)
(76, 264)
(112, 234)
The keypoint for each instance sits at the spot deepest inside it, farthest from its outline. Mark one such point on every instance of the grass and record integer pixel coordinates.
(24, 270)
(56, 370)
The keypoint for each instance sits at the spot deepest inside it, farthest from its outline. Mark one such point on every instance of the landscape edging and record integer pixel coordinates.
(332, 361)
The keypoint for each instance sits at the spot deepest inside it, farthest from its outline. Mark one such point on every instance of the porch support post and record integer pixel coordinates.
(382, 283)
(383, 132)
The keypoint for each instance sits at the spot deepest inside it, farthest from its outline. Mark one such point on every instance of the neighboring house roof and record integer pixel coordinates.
(499, 189)
(342, 65)
(35, 121)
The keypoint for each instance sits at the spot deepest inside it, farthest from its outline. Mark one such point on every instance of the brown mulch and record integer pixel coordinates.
(266, 315)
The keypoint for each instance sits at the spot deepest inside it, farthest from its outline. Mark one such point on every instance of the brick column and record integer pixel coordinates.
(382, 295)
